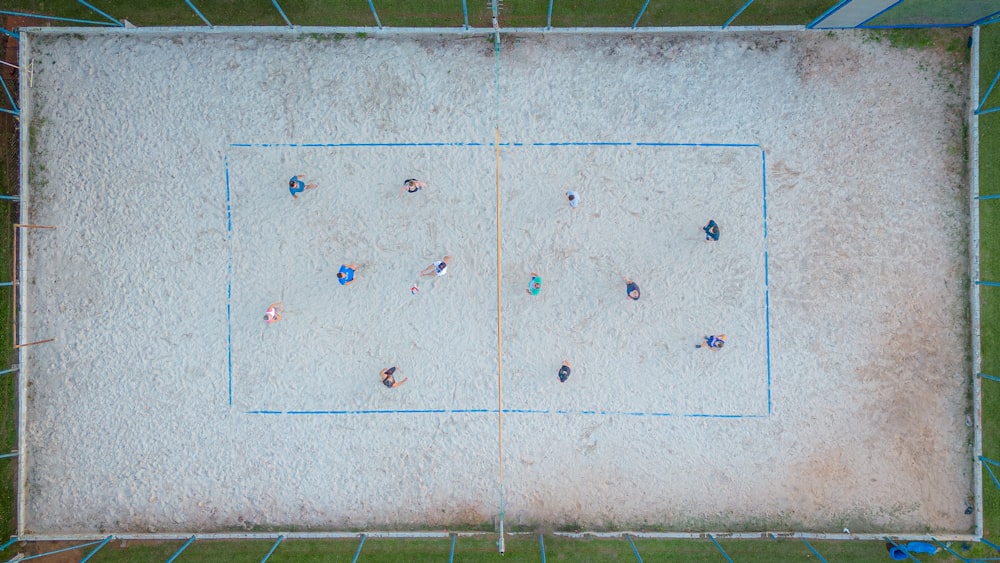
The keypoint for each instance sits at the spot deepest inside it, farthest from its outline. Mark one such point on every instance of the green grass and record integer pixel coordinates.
(521, 549)
(437, 13)
(989, 248)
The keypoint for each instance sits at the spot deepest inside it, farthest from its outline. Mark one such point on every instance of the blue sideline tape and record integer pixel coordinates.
(767, 285)
(229, 284)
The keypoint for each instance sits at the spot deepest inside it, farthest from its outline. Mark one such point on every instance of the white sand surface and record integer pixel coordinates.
(167, 404)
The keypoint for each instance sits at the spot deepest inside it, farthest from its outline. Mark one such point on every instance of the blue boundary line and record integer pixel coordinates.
(767, 284)
(767, 313)
(505, 411)
(229, 284)
(490, 144)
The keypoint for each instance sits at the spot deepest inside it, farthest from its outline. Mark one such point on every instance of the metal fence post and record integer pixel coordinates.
(200, 15)
(109, 18)
(374, 13)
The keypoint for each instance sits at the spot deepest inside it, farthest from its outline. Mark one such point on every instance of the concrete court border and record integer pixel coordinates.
(21, 298)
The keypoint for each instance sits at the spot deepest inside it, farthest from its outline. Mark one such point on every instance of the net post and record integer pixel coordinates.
(541, 546)
(548, 20)
(454, 537)
(8, 543)
(465, 13)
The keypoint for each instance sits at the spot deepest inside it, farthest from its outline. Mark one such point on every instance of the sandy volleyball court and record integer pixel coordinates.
(831, 161)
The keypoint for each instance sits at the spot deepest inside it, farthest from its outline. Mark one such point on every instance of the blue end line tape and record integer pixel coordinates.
(506, 144)
(506, 411)
(229, 284)
(767, 283)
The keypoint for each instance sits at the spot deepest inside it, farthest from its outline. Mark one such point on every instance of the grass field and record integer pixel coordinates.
(519, 13)
(437, 13)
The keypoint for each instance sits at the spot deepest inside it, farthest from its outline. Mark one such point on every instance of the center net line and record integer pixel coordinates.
(496, 145)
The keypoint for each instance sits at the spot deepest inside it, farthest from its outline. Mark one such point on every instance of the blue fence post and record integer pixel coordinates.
(986, 463)
(11, 370)
(273, 547)
(10, 111)
(374, 13)
(548, 19)
(9, 543)
(641, 12)
(358, 552)
(109, 18)
(884, 10)
(9, 13)
(47, 553)
(465, 13)
(988, 90)
(10, 33)
(737, 14)
(9, 96)
(541, 546)
(282, 12)
(635, 550)
(200, 15)
(827, 13)
(993, 284)
(722, 551)
(96, 549)
(813, 549)
(8, 455)
(987, 19)
(989, 543)
(451, 553)
(990, 377)
(181, 550)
